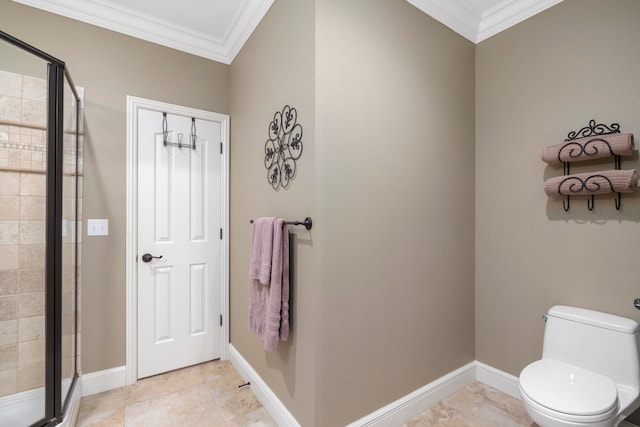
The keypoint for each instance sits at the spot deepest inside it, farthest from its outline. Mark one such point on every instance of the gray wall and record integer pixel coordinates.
(111, 66)
(536, 82)
(395, 171)
(276, 68)
(384, 285)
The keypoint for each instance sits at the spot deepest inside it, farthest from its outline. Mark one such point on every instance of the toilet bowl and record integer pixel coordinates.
(562, 394)
(589, 374)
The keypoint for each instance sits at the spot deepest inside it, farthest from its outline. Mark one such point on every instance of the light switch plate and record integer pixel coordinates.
(97, 227)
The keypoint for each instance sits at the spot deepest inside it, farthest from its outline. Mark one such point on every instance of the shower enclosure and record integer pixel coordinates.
(40, 219)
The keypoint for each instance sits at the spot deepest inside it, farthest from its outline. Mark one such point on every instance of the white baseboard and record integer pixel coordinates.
(27, 405)
(396, 412)
(18, 407)
(264, 394)
(498, 379)
(420, 400)
(97, 382)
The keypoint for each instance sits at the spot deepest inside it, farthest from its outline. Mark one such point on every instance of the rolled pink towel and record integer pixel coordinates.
(591, 147)
(600, 182)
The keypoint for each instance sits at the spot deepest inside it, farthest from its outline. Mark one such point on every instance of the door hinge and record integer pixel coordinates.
(221, 320)
(221, 234)
(221, 148)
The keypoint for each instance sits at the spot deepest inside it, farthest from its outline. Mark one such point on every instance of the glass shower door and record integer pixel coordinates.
(40, 176)
(23, 144)
(71, 234)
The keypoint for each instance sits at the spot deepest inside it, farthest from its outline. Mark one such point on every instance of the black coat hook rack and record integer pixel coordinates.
(307, 222)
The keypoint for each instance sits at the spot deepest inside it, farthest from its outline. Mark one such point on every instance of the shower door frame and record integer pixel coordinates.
(55, 408)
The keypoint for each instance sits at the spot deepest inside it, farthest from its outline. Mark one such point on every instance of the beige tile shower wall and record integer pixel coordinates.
(22, 234)
(21, 285)
(22, 122)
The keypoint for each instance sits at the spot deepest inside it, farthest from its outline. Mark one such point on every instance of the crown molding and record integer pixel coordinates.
(111, 16)
(509, 13)
(459, 15)
(453, 13)
(478, 26)
(247, 22)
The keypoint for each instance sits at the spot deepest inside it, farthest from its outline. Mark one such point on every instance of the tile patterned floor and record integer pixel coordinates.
(476, 405)
(208, 395)
(202, 395)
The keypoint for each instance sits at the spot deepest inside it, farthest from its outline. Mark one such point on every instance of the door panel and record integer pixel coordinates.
(179, 198)
(163, 170)
(198, 299)
(198, 194)
(163, 304)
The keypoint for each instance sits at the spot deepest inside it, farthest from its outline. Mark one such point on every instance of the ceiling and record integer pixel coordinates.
(217, 29)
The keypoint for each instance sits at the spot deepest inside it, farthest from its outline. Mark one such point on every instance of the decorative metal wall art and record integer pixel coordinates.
(283, 148)
(593, 129)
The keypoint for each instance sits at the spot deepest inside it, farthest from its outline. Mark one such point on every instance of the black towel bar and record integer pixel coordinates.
(307, 223)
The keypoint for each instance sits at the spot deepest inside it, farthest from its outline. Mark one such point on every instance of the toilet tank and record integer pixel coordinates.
(600, 342)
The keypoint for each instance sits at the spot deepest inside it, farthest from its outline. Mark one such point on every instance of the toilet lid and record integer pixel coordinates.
(568, 389)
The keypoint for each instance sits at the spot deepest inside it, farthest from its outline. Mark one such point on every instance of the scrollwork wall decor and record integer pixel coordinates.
(592, 142)
(592, 184)
(283, 148)
(593, 129)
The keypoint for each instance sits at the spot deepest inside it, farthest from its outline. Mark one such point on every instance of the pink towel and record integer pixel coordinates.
(592, 147)
(600, 182)
(269, 303)
(261, 249)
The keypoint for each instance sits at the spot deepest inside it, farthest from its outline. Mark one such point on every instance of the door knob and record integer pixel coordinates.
(149, 257)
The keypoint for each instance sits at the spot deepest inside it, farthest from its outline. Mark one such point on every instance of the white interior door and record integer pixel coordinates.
(179, 222)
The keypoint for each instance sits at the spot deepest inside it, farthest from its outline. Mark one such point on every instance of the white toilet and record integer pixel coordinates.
(589, 374)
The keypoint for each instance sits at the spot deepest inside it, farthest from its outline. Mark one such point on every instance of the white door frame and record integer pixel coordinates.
(133, 104)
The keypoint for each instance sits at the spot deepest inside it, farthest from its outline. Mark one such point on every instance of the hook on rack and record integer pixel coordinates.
(164, 129)
(193, 133)
(179, 144)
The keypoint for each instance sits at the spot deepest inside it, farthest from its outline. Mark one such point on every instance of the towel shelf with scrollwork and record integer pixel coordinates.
(595, 141)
